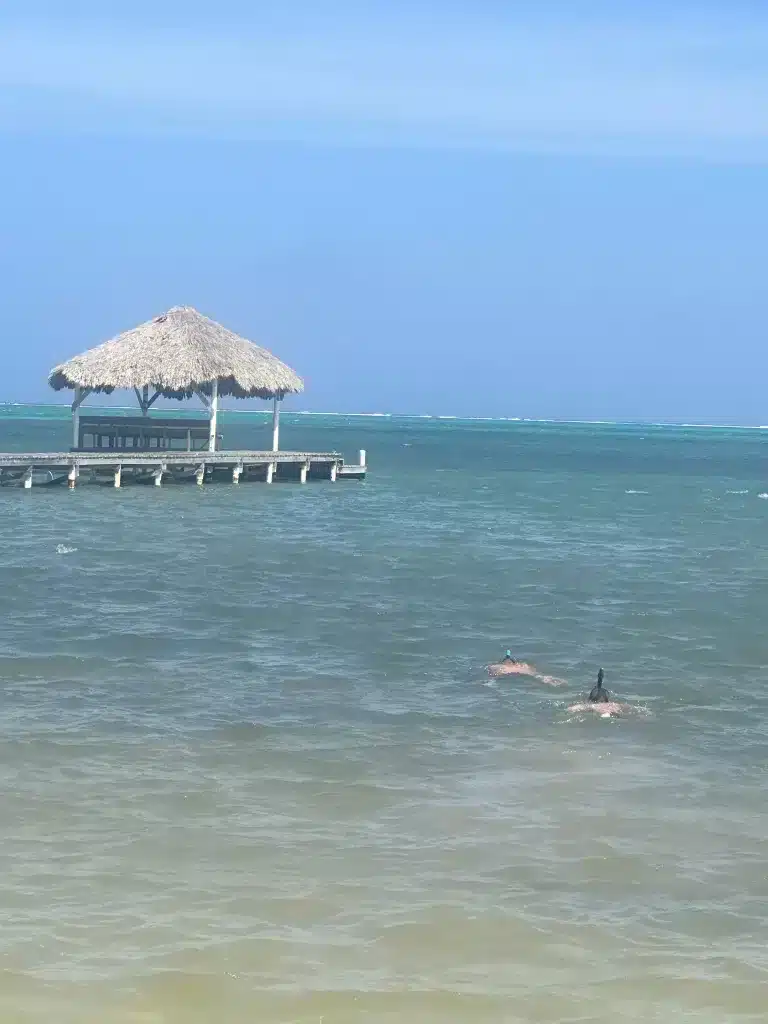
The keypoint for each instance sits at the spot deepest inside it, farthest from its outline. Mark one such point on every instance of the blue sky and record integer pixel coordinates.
(535, 209)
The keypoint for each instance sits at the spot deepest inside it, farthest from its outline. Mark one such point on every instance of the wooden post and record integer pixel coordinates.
(236, 473)
(362, 457)
(270, 472)
(158, 475)
(118, 474)
(72, 477)
(28, 479)
(334, 471)
(200, 474)
(214, 415)
(304, 471)
(275, 423)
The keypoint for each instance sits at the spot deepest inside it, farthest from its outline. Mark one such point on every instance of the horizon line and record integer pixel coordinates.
(441, 417)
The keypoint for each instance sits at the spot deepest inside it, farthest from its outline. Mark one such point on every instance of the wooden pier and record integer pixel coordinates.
(119, 467)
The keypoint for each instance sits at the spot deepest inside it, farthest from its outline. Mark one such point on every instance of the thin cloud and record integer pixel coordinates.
(697, 90)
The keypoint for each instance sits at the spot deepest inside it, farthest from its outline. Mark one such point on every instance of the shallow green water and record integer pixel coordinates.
(252, 768)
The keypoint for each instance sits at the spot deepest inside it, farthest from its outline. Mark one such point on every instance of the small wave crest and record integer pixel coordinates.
(635, 492)
(62, 549)
(763, 495)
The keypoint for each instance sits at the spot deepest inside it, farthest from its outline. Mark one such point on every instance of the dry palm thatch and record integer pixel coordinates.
(176, 354)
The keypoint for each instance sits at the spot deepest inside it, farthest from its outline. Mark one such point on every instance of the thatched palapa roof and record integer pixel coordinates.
(176, 354)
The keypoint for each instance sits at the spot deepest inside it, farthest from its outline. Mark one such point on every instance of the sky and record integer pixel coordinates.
(531, 208)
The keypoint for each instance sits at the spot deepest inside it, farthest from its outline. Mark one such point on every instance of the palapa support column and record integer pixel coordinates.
(304, 471)
(270, 472)
(72, 476)
(200, 475)
(27, 479)
(80, 396)
(334, 471)
(276, 423)
(76, 418)
(214, 415)
(119, 474)
(236, 473)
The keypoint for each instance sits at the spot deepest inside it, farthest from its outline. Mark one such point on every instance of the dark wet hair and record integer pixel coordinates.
(598, 693)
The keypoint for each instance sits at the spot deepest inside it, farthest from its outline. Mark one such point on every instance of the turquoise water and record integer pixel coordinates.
(252, 768)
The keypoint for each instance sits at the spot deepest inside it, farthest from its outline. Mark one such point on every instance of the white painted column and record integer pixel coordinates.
(200, 475)
(270, 472)
(304, 471)
(28, 479)
(276, 423)
(119, 475)
(214, 415)
(80, 396)
(76, 417)
(158, 474)
(72, 478)
(334, 471)
(362, 456)
(236, 473)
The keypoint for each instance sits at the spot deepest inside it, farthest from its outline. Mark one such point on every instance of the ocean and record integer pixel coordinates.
(253, 768)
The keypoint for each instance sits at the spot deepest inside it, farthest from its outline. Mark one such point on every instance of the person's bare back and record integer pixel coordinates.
(515, 668)
(606, 709)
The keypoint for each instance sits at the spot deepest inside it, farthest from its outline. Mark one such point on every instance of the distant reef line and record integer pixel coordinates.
(60, 411)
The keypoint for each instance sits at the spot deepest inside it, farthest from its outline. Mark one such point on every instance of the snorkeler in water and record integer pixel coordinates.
(510, 666)
(600, 702)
